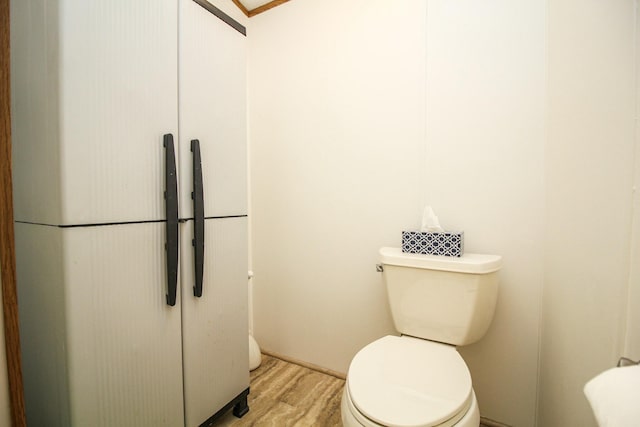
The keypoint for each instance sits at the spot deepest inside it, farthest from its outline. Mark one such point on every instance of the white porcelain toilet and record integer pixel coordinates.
(419, 379)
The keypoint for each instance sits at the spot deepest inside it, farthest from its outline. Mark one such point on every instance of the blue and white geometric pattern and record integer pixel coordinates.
(446, 243)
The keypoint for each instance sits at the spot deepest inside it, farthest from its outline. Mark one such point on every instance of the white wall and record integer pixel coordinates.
(516, 120)
(485, 152)
(362, 111)
(589, 177)
(336, 94)
(632, 338)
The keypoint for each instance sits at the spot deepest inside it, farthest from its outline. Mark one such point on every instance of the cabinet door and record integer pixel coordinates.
(215, 325)
(95, 90)
(119, 96)
(212, 110)
(123, 340)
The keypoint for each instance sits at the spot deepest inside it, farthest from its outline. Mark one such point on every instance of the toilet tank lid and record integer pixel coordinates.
(467, 263)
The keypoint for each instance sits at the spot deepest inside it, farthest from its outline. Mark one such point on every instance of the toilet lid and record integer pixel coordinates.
(404, 381)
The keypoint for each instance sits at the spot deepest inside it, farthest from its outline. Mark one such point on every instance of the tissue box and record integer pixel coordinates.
(447, 243)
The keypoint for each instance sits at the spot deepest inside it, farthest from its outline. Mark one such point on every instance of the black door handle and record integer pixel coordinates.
(198, 218)
(171, 208)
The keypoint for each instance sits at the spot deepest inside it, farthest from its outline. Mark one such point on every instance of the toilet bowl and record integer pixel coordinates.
(406, 381)
(419, 379)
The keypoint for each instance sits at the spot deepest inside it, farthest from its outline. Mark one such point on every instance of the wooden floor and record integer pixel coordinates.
(286, 395)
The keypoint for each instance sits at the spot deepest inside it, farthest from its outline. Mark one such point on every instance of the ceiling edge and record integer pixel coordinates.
(260, 9)
(241, 7)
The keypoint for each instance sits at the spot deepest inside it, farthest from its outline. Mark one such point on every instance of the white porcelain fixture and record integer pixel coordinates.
(418, 379)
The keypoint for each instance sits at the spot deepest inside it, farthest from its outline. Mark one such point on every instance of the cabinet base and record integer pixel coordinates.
(239, 405)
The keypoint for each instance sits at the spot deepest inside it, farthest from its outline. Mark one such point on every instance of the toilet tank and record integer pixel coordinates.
(440, 298)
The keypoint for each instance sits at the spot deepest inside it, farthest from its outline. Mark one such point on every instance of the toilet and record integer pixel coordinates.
(419, 379)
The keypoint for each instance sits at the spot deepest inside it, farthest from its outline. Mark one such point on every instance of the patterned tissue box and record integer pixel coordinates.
(447, 243)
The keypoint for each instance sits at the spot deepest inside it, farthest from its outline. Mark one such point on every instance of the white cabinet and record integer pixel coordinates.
(214, 326)
(212, 75)
(96, 86)
(99, 346)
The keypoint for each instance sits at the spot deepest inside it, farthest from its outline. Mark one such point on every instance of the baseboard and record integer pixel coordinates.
(336, 374)
(486, 422)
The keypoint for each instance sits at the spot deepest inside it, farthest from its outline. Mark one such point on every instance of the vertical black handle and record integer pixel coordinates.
(171, 206)
(198, 218)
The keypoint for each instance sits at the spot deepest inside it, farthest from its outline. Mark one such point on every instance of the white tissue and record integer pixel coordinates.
(430, 223)
(613, 396)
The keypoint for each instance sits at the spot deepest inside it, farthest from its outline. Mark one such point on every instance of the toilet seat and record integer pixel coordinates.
(409, 382)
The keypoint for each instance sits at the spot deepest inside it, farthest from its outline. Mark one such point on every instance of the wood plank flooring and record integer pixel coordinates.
(284, 394)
